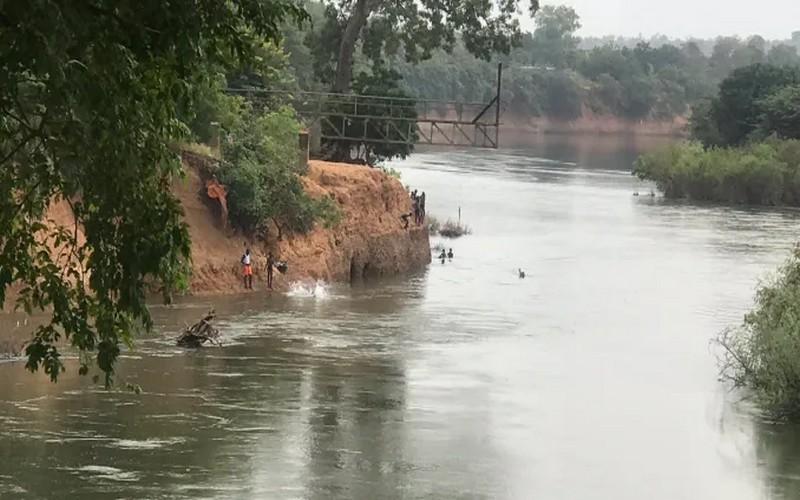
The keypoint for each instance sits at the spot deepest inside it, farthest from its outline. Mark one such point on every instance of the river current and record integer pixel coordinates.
(592, 378)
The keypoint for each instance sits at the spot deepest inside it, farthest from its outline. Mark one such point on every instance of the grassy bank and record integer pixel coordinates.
(766, 173)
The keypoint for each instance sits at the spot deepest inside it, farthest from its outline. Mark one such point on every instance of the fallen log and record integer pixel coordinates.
(200, 333)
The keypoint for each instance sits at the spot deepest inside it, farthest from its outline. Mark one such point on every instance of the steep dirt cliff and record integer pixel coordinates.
(370, 240)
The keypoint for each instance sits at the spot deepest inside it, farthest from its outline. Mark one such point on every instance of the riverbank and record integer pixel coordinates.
(369, 241)
(590, 123)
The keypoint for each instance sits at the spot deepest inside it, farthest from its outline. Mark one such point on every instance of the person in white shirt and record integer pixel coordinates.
(247, 269)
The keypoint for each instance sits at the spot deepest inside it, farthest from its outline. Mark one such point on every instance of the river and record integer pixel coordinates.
(593, 378)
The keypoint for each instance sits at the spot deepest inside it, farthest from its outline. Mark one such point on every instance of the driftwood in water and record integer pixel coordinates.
(200, 333)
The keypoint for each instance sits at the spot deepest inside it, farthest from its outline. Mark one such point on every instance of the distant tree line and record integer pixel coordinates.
(550, 72)
(556, 74)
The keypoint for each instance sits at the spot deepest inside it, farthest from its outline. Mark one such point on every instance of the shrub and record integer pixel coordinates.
(759, 174)
(763, 354)
(261, 173)
(452, 229)
(392, 172)
(433, 224)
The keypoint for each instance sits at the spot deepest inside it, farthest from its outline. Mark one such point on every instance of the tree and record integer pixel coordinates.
(737, 109)
(554, 42)
(763, 353)
(390, 130)
(413, 28)
(781, 113)
(783, 55)
(703, 126)
(560, 95)
(90, 94)
(261, 173)
(721, 59)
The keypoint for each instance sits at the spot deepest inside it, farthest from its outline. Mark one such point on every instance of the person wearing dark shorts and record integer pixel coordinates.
(270, 267)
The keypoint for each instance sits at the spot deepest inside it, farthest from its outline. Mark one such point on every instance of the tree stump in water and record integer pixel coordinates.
(200, 333)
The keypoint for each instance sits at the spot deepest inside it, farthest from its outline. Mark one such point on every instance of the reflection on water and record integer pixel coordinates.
(591, 378)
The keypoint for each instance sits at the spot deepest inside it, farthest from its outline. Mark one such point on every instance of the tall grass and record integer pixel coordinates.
(766, 173)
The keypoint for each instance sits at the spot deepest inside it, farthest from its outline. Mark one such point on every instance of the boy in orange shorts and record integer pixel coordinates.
(247, 269)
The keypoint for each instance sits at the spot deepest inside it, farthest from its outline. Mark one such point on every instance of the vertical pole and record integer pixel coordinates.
(497, 103)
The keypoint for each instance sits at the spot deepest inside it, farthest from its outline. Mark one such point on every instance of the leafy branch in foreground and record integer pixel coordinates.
(90, 94)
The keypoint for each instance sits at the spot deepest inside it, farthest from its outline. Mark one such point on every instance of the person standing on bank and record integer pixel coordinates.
(422, 208)
(247, 269)
(270, 268)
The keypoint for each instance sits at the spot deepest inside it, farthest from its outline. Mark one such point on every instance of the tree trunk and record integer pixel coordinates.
(344, 66)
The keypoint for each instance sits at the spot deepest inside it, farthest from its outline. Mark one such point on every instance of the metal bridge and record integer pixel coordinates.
(392, 120)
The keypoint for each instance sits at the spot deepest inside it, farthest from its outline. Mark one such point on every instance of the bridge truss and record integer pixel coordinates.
(392, 120)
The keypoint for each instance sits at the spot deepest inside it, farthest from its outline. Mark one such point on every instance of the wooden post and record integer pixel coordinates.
(315, 137)
(303, 142)
(497, 103)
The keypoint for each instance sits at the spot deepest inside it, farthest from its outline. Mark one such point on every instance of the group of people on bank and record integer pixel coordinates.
(247, 268)
(417, 209)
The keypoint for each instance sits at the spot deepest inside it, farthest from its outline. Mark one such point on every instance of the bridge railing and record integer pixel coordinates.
(395, 120)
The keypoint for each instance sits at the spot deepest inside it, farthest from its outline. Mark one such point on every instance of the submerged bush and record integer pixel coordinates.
(763, 354)
(452, 229)
(765, 173)
(433, 224)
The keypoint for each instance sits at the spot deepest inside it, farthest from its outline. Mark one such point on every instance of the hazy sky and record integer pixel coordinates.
(772, 19)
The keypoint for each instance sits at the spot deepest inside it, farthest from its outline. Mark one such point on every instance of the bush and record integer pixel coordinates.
(763, 354)
(759, 174)
(433, 224)
(261, 173)
(452, 229)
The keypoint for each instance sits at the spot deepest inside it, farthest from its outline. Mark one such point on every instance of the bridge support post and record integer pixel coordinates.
(302, 160)
(315, 138)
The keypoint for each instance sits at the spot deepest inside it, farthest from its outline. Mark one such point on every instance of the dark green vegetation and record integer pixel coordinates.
(762, 173)
(354, 46)
(260, 170)
(259, 165)
(91, 99)
(411, 31)
(745, 152)
(749, 106)
(763, 354)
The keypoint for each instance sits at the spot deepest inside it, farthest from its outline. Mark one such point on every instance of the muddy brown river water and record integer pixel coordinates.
(590, 379)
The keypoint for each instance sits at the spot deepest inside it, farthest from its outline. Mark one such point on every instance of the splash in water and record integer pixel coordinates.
(318, 290)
